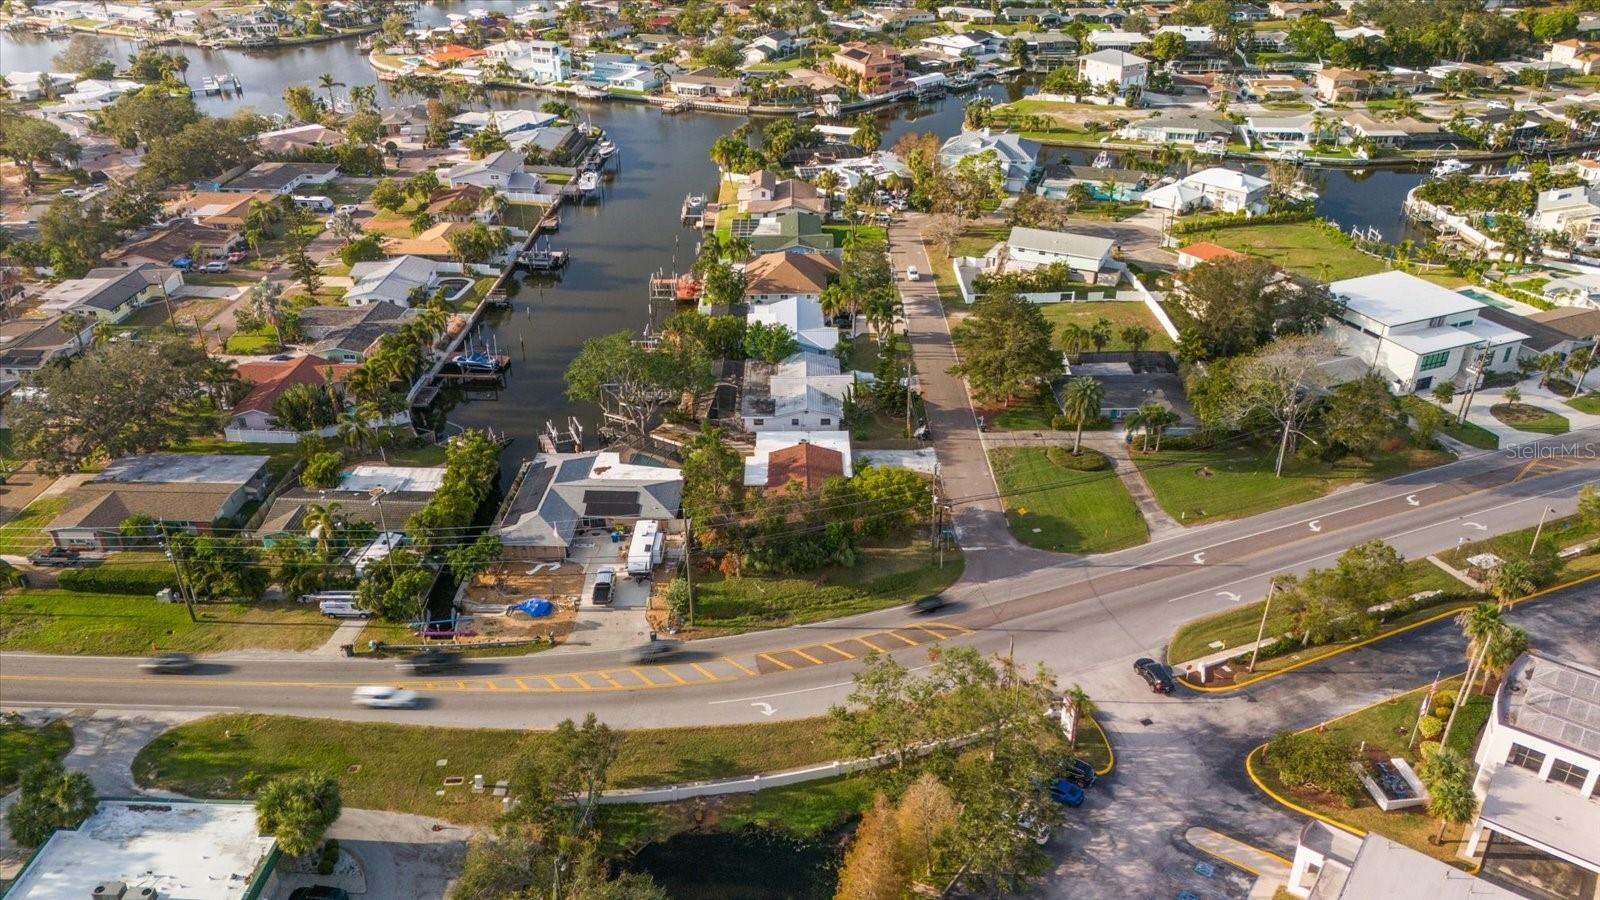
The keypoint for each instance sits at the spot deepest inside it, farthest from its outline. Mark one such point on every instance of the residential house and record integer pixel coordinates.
(1542, 338)
(557, 497)
(1582, 57)
(348, 334)
(1271, 87)
(805, 393)
(216, 208)
(1125, 41)
(1179, 129)
(466, 203)
(451, 56)
(1406, 133)
(1224, 190)
(179, 241)
(1106, 14)
(298, 139)
(705, 83)
(1293, 9)
(766, 193)
(1122, 185)
(1125, 72)
(404, 490)
(1017, 157)
(887, 18)
(1538, 781)
(114, 293)
(1042, 15)
(517, 126)
(194, 492)
(875, 68)
(1333, 864)
(275, 178)
(787, 231)
(92, 94)
(786, 289)
(1581, 291)
(1573, 211)
(1191, 255)
(1572, 327)
(1047, 48)
(502, 171)
(803, 458)
(879, 165)
(1290, 132)
(770, 47)
(1341, 85)
(1418, 334)
(1025, 249)
(268, 380)
(972, 14)
(1198, 39)
(405, 123)
(396, 281)
(1266, 40)
(433, 243)
(24, 87)
(540, 62)
(620, 70)
(29, 344)
(974, 44)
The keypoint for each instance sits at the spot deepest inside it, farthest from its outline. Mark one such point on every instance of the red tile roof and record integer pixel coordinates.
(270, 379)
(1205, 251)
(806, 463)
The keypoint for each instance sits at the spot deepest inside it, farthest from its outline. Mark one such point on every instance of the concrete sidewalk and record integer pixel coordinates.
(1270, 869)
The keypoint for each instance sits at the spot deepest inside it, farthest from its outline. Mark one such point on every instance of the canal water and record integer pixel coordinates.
(632, 230)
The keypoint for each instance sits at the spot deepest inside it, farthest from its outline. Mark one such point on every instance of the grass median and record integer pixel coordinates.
(1054, 507)
(395, 767)
(1529, 418)
(71, 622)
(1383, 730)
(1561, 533)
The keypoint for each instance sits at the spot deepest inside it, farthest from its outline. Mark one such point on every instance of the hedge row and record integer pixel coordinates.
(1215, 221)
(118, 579)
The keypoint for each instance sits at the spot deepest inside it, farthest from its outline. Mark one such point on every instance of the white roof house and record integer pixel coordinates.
(178, 848)
(1017, 157)
(1118, 40)
(502, 170)
(802, 315)
(24, 86)
(1333, 864)
(392, 280)
(541, 62)
(556, 495)
(1124, 70)
(1216, 188)
(1031, 248)
(805, 392)
(1539, 762)
(1570, 210)
(1418, 333)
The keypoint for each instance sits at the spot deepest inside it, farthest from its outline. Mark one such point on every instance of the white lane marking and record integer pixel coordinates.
(1478, 526)
(1316, 524)
(764, 708)
(1230, 595)
(1412, 499)
(1199, 558)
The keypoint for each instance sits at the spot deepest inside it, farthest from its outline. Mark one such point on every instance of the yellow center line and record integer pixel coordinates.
(840, 652)
(639, 674)
(805, 656)
(701, 669)
(774, 660)
(671, 674)
(554, 685)
(491, 685)
(740, 666)
(909, 641)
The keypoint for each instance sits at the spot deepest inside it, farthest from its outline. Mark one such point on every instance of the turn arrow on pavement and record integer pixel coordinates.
(764, 708)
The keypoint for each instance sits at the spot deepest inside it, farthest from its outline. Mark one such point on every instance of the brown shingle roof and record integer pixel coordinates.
(806, 463)
(788, 273)
(270, 379)
(1571, 321)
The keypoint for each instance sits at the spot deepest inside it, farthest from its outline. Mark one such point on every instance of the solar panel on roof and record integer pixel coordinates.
(610, 503)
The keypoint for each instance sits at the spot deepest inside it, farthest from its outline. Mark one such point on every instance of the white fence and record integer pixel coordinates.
(276, 436)
(1154, 307)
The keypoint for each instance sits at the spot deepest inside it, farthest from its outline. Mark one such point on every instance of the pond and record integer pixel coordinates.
(751, 864)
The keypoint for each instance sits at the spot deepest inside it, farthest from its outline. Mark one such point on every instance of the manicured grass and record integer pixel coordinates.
(61, 621)
(1235, 481)
(1120, 314)
(23, 745)
(390, 766)
(24, 533)
(1036, 414)
(1468, 433)
(1237, 626)
(1561, 533)
(1386, 727)
(1054, 508)
(1588, 403)
(1527, 417)
(885, 576)
(1304, 248)
(252, 343)
(841, 234)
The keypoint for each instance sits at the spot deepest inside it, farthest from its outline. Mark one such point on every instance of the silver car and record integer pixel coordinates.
(382, 696)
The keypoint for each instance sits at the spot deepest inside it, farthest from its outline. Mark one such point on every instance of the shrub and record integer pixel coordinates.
(1443, 702)
(11, 576)
(1309, 759)
(1427, 749)
(329, 858)
(322, 471)
(1430, 727)
(118, 579)
(1085, 461)
(678, 599)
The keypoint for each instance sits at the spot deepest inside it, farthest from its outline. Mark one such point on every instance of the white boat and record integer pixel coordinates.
(588, 182)
(1450, 167)
(1103, 161)
(605, 149)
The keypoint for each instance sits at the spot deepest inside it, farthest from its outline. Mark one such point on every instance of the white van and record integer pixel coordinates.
(314, 202)
(342, 609)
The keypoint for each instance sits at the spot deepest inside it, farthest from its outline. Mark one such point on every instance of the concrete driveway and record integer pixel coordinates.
(387, 855)
(620, 624)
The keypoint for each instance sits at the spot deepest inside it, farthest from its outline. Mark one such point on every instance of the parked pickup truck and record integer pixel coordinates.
(59, 557)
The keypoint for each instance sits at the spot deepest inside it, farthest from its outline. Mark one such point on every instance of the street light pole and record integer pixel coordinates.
(1535, 543)
(1261, 632)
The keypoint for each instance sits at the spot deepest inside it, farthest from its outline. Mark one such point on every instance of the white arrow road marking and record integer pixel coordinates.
(1232, 597)
(1316, 524)
(1200, 558)
(1477, 526)
(765, 708)
(1412, 499)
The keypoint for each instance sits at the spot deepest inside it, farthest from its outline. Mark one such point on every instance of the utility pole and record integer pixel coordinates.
(1535, 542)
(1477, 379)
(1261, 632)
(688, 563)
(183, 590)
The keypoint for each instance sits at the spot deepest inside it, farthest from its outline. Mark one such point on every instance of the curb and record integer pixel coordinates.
(1111, 753)
(1223, 689)
(1250, 769)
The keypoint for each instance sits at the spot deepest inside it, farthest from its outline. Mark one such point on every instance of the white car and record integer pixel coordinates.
(70, 193)
(912, 274)
(347, 208)
(382, 696)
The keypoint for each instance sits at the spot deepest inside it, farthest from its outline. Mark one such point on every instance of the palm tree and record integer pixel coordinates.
(1100, 334)
(1074, 338)
(1548, 364)
(74, 324)
(1510, 643)
(355, 430)
(1152, 417)
(1451, 801)
(323, 520)
(1081, 402)
(1512, 579)
(1078, 705)
(1136, 337)
(326, 82)
(828, 181)
(1480, 625)
(1578, 363)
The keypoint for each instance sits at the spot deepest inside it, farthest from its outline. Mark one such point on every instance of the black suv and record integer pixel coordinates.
(1154, 674)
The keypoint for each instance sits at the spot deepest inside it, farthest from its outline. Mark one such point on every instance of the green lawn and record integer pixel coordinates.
(1562, 533)
(252, 343)
(1055, 508)
(61, 621)
(1466, 432)
(24, 533)
(1236, 481)
(884, 576)
(1385, 727)
(1588, 403)
(23, 745)
(841, 234)
(1237, 625)
(1527, 417)
(1035, 414)
(1304, 248)
(390, 766)
(1120, 314)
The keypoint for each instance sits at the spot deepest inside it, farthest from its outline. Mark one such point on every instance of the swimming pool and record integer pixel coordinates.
(1485, 299)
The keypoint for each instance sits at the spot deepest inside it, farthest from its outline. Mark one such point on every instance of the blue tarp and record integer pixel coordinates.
(537, 607)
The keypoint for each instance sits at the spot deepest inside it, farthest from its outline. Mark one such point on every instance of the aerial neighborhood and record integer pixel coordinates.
(725, 448)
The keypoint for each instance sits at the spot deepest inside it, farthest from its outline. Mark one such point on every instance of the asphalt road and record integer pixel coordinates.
(1074, 614)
